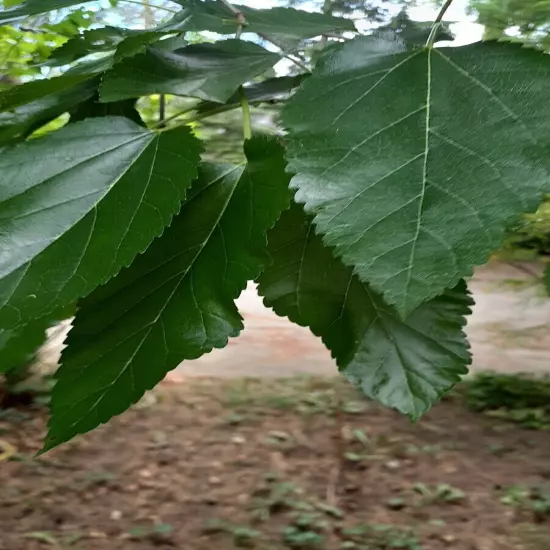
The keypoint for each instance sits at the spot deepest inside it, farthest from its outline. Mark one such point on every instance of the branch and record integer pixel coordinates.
(437, 22)
(239, 16)
(247, 121)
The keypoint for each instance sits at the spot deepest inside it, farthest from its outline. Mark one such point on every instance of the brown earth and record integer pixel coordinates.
(215, 465)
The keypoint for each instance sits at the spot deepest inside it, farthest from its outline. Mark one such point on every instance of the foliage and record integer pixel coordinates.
(532, 233)
(519, 398)
(529, 21)
(531, 499)
(402, 168)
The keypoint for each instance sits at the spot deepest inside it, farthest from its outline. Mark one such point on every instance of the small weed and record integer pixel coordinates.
(380, 537)
(242, 535)
(312, 521)
(531, 499)
(58, 543)
(440, 493)
(355, 457)
(295, 537)
(518, 398)
(273, 499)
(332, 511)
(361, 437)
(159, 532)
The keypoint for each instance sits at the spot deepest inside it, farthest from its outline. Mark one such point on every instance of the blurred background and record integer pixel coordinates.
(261, 445)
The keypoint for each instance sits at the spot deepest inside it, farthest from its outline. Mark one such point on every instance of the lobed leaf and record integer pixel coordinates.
(176, 301)
(407, 365)
(78, 205)
(415, 163)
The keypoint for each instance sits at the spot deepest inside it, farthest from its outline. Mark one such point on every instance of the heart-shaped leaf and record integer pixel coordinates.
(176, 301)
(407, 365)
(415, 163)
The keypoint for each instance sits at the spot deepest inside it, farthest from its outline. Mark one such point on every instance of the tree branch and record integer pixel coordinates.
(437, 22)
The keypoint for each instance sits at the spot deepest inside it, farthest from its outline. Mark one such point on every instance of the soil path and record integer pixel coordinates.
(508, 331)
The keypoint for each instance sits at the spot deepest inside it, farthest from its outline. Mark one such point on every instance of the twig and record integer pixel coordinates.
(300, 62)
(152, 6)
(437, 22)
(162, 110)
(239, 16)
(162, 123)
(247, 121)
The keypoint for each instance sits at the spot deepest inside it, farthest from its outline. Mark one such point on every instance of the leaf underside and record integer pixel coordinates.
(211, 72)
(407, 365)
(18, 347)
(26, 107)
(285, 26)
(415, 163)
(62, 235)
(176, 301)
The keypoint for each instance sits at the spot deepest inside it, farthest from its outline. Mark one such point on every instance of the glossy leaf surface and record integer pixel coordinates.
(415, 163)
(407, 365)
(176, 301)
(208, 71)
(79, 204)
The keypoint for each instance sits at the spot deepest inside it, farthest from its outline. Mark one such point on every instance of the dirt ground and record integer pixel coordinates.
(274, 465)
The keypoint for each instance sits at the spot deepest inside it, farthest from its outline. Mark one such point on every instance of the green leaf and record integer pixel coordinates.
(414, 164)
(27, 107)
(18, 347)
(78, 205)
(208, 71)
(120, 42)
(176, 301)
(89, 42)
(284, 26)
(407, 365)
(92, 66)
(269, 90)
(34, 7)
(93, 108)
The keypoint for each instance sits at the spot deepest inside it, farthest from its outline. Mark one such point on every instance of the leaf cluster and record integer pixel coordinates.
(401, 168)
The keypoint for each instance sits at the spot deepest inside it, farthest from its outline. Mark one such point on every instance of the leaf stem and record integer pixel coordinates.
(162, 110)
(247, 120)
(437, 23)
(239, 16)
(162, 123)
(199, 116)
